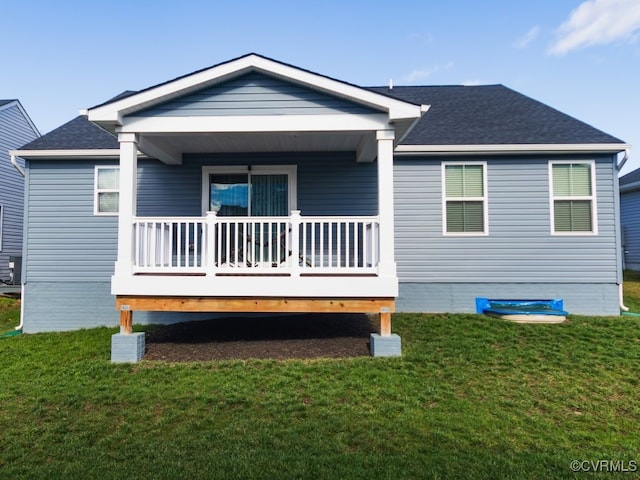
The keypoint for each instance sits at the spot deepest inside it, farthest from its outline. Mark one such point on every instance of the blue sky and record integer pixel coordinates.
(579, 56)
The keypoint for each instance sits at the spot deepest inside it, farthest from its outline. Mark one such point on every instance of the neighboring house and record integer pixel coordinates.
(630, 218)
(254, 185)
(16, 129)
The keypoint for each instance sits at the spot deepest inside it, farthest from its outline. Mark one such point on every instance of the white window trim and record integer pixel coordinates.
(96, 202)
(484, 199)
(289, 170)
(592, 198)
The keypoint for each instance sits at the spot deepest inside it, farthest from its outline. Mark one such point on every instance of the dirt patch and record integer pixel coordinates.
(282, 337)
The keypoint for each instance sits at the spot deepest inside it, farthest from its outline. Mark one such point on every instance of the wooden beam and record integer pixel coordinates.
(253, 304)
(385, 324)
(126, 321)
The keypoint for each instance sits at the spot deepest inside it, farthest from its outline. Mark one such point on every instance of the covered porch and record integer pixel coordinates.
(250, 258)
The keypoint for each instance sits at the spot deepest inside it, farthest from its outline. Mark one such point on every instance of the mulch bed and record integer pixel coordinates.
(282, 337)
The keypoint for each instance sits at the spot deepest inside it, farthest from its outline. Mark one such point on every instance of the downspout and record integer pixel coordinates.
(15, 163)
(21, 324)
(619, 166)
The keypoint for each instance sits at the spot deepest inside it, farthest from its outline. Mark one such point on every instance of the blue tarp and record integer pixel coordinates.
(520, 307)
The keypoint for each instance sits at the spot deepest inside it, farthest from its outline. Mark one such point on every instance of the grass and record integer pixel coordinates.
(632, 290)
(472, 397)
(9, 314)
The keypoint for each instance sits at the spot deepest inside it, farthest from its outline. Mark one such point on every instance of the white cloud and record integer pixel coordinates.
(527, 38)
(598, 22)
(472, 83)
(426, 36)
(424, 73)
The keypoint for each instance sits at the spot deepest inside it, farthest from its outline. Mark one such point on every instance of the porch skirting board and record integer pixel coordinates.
(60, 306)
(64, 306)
(579, 298)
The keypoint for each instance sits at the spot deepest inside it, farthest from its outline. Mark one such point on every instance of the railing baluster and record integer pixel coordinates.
(356, 249)
(293, 245)
(339, 243)
(346, 244)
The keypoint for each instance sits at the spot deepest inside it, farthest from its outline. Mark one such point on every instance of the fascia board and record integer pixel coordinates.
(68, 154)
(513, 148)
(256, 123)
(397, 109)
(113, 112)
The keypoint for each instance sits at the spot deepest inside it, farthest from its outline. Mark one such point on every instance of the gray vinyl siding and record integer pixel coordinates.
(71, 252)
(65, 241)
(630, 222)
(578, 298)
(61, 306)
(255, 94)
(15, 131)
(519, 247)
(327, 184)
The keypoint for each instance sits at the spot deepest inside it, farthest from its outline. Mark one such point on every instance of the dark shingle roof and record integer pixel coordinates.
(78, 134)
(490, 115)
(459, 115)
(4, 102)
(629, 178)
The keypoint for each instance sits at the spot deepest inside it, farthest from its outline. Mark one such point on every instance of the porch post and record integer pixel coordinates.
(387, 263)
(127, 201)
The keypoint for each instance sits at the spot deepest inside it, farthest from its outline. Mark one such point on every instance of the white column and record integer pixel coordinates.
(387, 265)
(127, 201)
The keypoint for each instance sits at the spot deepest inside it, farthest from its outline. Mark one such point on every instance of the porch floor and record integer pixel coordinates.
(279, 337)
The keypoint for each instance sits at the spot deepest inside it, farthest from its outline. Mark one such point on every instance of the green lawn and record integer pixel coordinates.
(472, 397)
(9, 314)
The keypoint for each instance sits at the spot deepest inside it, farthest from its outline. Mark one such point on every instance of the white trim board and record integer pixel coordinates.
(113, 112)
(408, 150)
(71, 154)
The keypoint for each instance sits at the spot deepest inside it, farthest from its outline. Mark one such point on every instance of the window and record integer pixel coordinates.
(464, 198)
(107, 184)
(573, 203)
(243, 191)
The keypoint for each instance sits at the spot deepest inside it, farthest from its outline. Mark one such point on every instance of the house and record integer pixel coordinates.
(630, 218)
(258, 186)
(16, 129)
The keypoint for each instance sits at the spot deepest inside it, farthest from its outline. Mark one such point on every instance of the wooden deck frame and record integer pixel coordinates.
(384, 307)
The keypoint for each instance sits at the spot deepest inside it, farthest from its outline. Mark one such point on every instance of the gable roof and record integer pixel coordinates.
(112, 112)
(14, 102)
(461, 119)
(491, 115)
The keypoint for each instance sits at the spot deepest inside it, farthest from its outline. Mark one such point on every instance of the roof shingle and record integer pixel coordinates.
(490, 115)
(459, 115)
(77, 134)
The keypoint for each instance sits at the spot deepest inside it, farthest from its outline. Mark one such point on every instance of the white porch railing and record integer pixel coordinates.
(256, 245)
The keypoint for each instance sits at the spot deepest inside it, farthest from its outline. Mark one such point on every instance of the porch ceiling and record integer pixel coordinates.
(254, 142)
